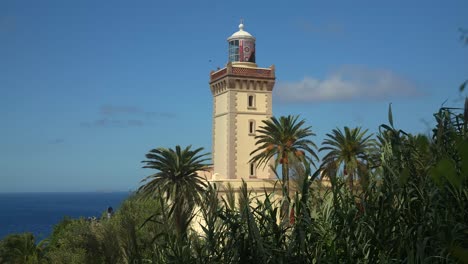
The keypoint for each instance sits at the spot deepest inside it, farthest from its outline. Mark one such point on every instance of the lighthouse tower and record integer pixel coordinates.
(242, 99)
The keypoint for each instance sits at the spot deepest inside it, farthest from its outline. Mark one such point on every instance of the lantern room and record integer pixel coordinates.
(241, 46)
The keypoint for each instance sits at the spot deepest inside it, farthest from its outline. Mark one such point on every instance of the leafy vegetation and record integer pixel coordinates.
(177, 181)
(286, 141)
(353, 150)
(409, 205)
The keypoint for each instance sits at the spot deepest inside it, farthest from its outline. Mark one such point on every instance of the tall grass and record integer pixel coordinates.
(412, 209)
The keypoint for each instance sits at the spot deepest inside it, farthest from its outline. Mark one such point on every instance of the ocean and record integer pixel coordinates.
(39, 212)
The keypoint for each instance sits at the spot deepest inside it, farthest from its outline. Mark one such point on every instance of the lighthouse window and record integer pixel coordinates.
(251, 101)
(234, 50)
(252, 127)
(252, 169)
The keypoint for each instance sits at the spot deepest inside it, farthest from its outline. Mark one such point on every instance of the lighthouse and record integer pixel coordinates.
(242, 99)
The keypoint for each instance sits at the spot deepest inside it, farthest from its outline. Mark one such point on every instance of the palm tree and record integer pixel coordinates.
(285, 140)
(20, 248)
(352, 149)
(176, 180)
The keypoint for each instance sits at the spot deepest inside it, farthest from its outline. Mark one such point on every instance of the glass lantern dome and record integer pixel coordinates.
(241, 46)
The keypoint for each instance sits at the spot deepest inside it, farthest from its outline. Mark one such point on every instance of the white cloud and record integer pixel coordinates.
(56, 141)
(119, 110)
(348, 83)
(329, 27)
(106, 122)
(125, 116)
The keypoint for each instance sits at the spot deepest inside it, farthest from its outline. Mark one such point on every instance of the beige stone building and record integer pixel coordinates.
(242, 99)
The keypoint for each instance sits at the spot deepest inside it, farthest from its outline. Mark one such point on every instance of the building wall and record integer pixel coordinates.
(220, 135)
(232, 140)
(245, 143)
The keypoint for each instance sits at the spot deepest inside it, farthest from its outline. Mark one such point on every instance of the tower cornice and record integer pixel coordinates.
(232, 70)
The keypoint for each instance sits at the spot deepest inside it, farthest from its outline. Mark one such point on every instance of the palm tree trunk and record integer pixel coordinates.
(285, 206)
(179, 219)
(286, 179)
(350, 182)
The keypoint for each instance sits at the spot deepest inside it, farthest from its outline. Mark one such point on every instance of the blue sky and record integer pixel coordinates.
(88, 87)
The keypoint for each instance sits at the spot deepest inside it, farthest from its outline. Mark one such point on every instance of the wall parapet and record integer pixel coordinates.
(235, 71)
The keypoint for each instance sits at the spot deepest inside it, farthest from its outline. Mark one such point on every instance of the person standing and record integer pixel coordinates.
(110, 212)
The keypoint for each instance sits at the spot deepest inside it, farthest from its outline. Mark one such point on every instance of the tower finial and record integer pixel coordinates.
(241, 25)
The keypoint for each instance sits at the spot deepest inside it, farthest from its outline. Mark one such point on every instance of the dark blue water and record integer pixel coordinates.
(39, 212)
